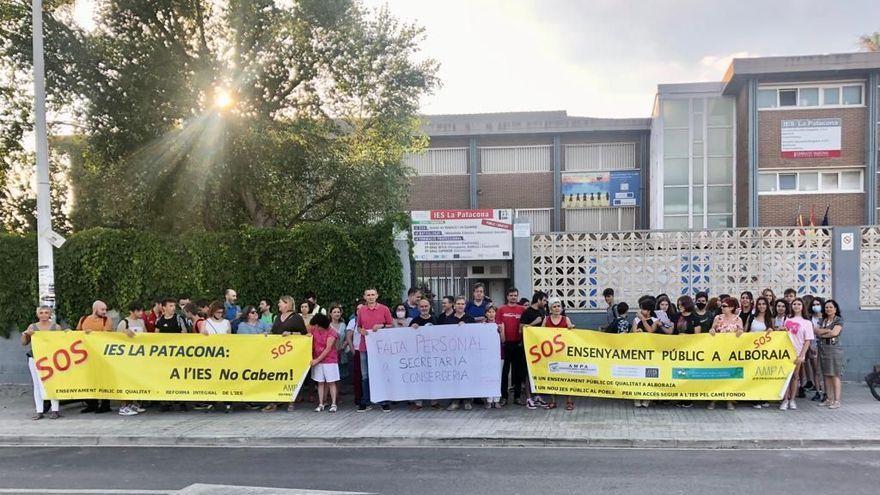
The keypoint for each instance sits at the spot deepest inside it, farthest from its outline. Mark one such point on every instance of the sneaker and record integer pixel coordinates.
(530, 404)
(539, 400)
(834, 405)
(320, 408)
(333, 408)
(792, 405)
(125, 411)
(386, 408)
(452, 406)
(361, 408)
(203, 407)
(757, 406)
(137, 408)
(783, 406)
(637, 403)
(468, 406)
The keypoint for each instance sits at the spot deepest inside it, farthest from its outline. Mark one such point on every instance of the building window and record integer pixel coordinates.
(539, 219)
(438, 161)
(810, 182)
(516, 159)
(820, 95)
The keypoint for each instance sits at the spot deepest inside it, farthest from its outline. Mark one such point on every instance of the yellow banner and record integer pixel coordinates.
(185, 367)
(754, 366)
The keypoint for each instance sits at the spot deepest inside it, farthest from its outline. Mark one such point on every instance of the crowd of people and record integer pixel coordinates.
(340, 355)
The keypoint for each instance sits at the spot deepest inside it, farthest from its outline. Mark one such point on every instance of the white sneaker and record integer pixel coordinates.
(453, 406)
(637, 403)
(783, 406)
(792, 405)
(137, 408)
(125, 411)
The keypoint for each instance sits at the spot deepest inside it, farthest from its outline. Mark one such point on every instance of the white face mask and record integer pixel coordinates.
(817, 309)
(401, 314)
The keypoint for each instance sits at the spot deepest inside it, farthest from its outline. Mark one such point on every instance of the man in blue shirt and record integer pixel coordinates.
(413, 296)
(232, 311)
(476, 307)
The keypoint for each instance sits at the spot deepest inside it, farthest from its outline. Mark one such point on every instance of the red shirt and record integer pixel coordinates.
(368, 317)
(150, 321)
(320, 338)
(509, 315)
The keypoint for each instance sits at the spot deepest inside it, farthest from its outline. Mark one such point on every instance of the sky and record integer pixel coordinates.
(604, 58)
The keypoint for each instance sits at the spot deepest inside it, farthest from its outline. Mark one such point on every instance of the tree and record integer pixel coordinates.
(320, 102)
(870, 42)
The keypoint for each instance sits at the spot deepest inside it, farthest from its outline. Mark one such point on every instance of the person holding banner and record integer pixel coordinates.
(423, 319)
(644, 322)
(371, 317)
(459, 317)
(491, 314)
(44, 323)
(727, 322)
(762, 320)
(532, 317)
(250, 323)
(514, 355)
(217, 324)
(800, 330)
(325, 360)
(98, 321)
(557, 320)
(447, 307)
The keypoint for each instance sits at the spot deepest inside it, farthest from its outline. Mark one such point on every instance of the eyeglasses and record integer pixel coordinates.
(252, 312)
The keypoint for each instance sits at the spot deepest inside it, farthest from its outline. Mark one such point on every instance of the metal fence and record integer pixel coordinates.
(576, 267)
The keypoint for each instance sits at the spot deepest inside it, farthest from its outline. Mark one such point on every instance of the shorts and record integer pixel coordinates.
(325, 372)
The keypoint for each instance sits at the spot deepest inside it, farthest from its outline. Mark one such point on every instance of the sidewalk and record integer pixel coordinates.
(594, 423)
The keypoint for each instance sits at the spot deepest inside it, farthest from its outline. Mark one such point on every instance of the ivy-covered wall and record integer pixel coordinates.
(120, 266)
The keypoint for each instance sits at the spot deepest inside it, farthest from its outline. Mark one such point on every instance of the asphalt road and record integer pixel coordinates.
(444, 471)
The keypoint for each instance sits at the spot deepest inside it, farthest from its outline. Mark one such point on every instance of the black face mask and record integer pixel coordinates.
(701, 306)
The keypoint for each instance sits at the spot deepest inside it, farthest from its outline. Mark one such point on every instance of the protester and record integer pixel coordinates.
(831, 353)
(491, 317)
(686, 323)
(325, 360)
(770, 296)
(132, 325)
(713, 307)
(459, 317)
(514, 365)
(170, 321)
(746, 307)
(780, 314)
(231, 310)
(424, 317)
(476, 307)
(266, 316)
(286, 323)
(353, 340)
(727, 322)
(446, 310)
(621, 324)
(665, 314)
(762, 320)
(411, 305)
(44, 323)
(313, 304)
(216, 324)
(557, 320)
(371, 317)
(644, 322)
(800, 330)
(338, 325)
(531, 317)
(196, 317)
(400, 316)
(152, 315)
(702, 316)
(611, 309)
(306, 312)
(789, 295)
(97, 321)
(251, 324)
(815, 379)
(182, 301)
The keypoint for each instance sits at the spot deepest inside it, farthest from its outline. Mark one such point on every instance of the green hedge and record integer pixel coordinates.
(119, 266)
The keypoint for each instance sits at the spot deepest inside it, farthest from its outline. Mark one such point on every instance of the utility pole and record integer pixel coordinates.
(45, 262)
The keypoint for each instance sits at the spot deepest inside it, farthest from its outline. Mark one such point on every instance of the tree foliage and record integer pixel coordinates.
(323, 103)
(870, 42)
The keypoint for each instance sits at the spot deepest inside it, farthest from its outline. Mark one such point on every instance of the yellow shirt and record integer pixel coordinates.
(95, 324)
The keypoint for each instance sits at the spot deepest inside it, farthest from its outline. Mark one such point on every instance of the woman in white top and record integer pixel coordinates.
(216, 324)
(763, 319)
(44, 323)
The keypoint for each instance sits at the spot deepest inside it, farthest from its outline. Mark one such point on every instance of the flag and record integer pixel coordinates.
(812, 217)
(800, 220)
(825, 218)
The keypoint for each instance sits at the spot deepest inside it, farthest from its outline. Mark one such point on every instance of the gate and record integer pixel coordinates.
(441, 278)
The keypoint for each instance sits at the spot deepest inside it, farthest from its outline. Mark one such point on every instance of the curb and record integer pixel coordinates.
(408, 442)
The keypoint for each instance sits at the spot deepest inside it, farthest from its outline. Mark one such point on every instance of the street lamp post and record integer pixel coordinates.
(45, 262)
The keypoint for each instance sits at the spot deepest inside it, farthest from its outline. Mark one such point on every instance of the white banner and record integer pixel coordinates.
(810, 138)
(462, 235)
(435, 362)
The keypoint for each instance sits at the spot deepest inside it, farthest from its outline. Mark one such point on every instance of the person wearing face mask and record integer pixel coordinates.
(400, 316)
(813, 367)
(702, 316)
